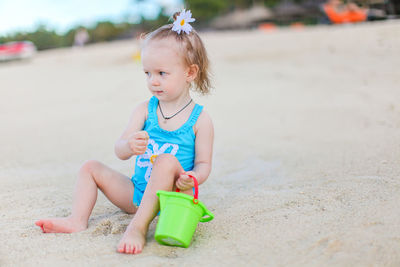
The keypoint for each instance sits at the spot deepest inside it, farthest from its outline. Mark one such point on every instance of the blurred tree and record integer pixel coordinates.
(104, 31)
(204, 10)
(69, 37)
(42, 38)
(246, 3)
(150, 25)
(45, 39)
(271, 3)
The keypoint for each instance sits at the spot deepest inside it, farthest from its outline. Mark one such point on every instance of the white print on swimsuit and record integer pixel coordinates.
(148, 158)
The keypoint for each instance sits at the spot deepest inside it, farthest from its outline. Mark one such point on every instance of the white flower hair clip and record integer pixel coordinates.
(182, 22)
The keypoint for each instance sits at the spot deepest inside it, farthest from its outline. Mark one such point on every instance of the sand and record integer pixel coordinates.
(306, 161)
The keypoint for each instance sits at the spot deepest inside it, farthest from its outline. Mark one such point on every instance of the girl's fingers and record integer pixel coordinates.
(147, 136)
(184, 183)
(181, 181)
(184, 177)
(178, 184)
(141, 135)
(141, 142)
(138, 148)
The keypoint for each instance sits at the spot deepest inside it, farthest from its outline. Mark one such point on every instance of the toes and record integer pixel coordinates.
(130, 245)
(47, 226)
(40, 224)
(133, 249)
(129, 249)
(121, 248)
(137, 249)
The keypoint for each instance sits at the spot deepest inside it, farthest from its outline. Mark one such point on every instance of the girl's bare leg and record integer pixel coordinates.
(93, 175)
(165, 171)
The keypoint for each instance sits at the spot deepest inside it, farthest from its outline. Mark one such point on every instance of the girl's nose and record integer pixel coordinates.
(154, 81)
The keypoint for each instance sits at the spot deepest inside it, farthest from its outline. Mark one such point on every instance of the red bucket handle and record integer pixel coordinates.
(196, 189)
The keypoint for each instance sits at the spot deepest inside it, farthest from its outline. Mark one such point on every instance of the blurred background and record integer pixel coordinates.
(306, 116)
(47, 24)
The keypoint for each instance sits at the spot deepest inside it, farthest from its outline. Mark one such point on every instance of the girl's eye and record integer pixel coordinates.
(162, 73)
(147, 73)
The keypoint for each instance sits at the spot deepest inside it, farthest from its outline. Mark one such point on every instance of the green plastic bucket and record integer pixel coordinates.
(179, 216)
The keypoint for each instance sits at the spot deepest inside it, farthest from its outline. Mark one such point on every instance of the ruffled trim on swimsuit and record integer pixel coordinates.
(188, 125)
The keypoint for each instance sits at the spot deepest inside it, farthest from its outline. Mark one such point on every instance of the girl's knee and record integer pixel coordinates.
(166, 160)
(90, 166)
(168, 163)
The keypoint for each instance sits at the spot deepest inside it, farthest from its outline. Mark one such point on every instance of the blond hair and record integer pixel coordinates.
(193, 50)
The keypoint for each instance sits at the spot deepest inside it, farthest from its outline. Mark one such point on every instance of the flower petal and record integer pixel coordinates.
(186, 18)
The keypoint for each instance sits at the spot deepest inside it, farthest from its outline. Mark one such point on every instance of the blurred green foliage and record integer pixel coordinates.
(103, 31)
(203, 10)
(45, 38)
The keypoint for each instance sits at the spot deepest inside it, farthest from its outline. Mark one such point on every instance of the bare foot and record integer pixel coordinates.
(60, 225)
(132, 242)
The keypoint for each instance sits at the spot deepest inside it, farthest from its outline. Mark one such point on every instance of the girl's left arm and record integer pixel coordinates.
(204, 131)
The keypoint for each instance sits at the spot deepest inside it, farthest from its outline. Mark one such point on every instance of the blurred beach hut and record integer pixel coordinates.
(243, 18)
(287, 11)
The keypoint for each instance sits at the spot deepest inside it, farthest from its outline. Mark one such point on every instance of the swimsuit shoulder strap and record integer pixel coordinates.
(195, 115)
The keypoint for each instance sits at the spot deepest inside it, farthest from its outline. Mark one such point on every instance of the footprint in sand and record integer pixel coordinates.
(107, 227)
(103, 228)
(118, 228)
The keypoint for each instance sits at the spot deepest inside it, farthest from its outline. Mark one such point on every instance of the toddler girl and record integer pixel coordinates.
(171, 136)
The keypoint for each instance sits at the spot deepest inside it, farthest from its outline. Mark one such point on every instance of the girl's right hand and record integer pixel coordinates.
(138, 142)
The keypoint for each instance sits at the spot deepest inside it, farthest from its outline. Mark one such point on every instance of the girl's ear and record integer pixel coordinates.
(193, 70)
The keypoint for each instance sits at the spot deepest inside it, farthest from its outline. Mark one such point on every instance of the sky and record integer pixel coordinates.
(26, 15)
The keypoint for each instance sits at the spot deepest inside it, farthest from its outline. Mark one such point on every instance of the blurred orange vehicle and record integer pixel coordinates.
(339, 13)
(17, 50)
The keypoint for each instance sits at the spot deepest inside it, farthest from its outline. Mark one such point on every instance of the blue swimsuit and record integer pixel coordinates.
(180, 143)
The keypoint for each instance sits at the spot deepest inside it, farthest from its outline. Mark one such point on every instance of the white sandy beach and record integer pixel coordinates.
(307, 150)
